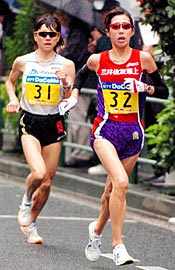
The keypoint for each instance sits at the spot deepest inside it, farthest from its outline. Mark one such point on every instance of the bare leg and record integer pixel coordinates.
(119, 179)
(104, 207)
(129, 163)
(32, 152)
(104, 214)
(43, 164)
(51, 154)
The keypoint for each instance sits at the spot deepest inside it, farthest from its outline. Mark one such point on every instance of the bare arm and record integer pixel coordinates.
(16, 71)
(148, 63)
(67, 76)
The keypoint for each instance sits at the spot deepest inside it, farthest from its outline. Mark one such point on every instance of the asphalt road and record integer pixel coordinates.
(63, 225)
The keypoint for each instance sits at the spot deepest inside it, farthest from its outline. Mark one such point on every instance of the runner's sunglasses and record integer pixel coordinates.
(45, 34)
(117, 26)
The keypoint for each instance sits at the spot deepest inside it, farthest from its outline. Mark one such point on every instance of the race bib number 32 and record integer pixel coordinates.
(120, 102)
(44, 94)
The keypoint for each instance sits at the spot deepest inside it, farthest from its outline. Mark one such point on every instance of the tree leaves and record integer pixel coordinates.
(21, 41)
(162, 137)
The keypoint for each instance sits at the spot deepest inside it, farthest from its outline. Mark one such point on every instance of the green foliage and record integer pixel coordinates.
(161, 16)
(162, 137)
(21, 42)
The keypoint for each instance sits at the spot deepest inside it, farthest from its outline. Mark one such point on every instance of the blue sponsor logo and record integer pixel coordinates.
(116, 86)
(40, 79)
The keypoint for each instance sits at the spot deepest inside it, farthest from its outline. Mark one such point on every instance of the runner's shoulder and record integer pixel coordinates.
(93, 61)
(66, 62)
(145, 55)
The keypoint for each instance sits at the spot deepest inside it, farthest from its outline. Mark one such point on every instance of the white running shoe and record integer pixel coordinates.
(24, 215)
(171, 220)
(121, 256)
(97, 170)
(32, 234)
(92, 250)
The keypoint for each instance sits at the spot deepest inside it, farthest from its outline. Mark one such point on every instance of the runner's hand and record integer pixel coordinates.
(67, 104)
(61, 74)
(13, 106)
(150, 89)
(144, 87)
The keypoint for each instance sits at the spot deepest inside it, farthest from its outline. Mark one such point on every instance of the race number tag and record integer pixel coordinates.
(120, 102)
(43, 94)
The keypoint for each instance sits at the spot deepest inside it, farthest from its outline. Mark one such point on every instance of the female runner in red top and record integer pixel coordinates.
(117, 134)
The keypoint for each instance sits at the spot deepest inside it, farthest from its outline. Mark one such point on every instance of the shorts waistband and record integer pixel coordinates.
(40, 115)
(132, 117)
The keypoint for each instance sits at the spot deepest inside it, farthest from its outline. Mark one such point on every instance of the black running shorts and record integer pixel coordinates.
(47, 129)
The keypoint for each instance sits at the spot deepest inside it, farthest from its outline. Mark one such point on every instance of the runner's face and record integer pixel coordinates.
(45, 41)
(120, 31)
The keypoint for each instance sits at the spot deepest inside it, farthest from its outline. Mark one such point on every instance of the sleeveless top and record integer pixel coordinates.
(41, 89)
(117, 92)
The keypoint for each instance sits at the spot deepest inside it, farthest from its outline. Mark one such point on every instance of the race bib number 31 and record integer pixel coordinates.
(44, 94)
(120, 102)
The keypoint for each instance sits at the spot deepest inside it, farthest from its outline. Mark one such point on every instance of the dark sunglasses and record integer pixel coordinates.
(117, 26)
(45, 34)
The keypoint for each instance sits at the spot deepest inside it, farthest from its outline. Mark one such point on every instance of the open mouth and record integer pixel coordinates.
(121, 38)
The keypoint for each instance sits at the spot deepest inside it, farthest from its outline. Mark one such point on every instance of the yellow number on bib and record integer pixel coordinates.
(44, 94)
(121, 102)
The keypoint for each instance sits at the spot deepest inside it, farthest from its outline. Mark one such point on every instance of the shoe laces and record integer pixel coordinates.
(95, 242)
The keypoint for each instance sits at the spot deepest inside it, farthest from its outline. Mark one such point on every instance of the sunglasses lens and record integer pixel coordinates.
(126, 26)
(53, 34)
(117, 26)
(45, 34)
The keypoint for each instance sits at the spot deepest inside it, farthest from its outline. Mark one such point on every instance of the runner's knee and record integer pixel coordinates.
(121, 185)
(45, 186)
(51, 174)
(40, 174)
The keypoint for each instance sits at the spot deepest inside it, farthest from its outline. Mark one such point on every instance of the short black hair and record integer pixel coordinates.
(51, 21)
(109, 5)
(115, 12)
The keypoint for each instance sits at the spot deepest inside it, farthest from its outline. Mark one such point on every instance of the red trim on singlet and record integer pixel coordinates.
(131, 117)
(96, 123)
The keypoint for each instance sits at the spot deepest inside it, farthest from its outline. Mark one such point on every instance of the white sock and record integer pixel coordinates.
(25, 200)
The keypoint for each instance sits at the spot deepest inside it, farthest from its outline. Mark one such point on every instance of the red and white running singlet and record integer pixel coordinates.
(118, 92)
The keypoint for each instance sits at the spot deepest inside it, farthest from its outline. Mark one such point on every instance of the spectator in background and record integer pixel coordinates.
(65, 21)
(76, 49)
(77, 41)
